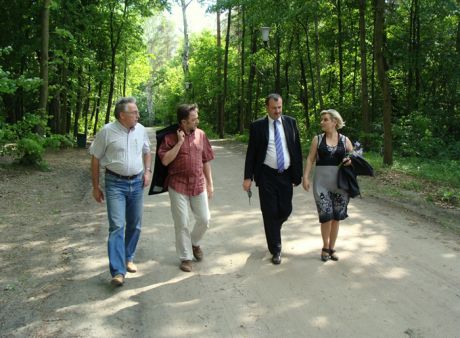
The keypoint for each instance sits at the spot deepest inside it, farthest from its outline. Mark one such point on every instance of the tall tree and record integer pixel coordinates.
(186, 52)
(45, 35)
(363, 54)
(318, 58)
(116, 26)
(413, 76)
(224, 96)
(340, 47)
(383, 79)
(220, 100)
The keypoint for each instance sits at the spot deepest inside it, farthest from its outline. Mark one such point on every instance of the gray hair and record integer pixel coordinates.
(335, 116)
(273, 96)
(122, 105)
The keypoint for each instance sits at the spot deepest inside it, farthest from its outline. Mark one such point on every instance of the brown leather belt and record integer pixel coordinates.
(110, 172)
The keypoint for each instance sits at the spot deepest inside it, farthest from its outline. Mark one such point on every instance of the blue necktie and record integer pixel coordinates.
(279, 148)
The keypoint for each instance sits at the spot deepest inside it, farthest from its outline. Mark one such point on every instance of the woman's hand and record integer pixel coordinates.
(346, 161)
(306, 183)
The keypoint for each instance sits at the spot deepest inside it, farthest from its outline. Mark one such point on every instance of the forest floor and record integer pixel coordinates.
(397, 277)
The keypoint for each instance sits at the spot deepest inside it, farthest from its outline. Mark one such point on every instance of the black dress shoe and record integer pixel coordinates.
(276, 259)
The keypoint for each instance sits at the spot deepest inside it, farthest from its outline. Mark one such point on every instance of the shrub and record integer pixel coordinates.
(57, 141)
(30, 150)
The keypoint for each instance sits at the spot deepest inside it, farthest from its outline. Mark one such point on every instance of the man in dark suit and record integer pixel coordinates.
(274, 162)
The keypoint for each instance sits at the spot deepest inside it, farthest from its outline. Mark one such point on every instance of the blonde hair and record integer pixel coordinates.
(336, 116)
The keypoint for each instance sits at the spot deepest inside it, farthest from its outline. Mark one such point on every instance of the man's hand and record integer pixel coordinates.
(147, 178)
(247, 184)
(180, 136)
(98, 195)
(210, 190)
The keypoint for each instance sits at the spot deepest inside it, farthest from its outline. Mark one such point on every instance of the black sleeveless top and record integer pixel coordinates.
(328, 155)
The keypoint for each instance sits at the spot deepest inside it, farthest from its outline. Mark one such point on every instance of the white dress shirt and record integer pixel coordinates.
(270, 158)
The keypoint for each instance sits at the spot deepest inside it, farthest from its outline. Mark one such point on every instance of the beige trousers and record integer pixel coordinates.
(185, 236)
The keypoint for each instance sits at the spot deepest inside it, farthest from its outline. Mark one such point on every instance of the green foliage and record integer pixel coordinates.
(9, 85)
(57, 141)
(414, 136)
(30, 149)
(22, 141)
(435, 170)
(209, 130)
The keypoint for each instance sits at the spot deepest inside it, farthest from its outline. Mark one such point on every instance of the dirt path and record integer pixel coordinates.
(397, 277)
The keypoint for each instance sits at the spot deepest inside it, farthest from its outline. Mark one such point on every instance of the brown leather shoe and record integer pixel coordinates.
(118, 280)
(186, 266)
(197, 252)
(131, 267)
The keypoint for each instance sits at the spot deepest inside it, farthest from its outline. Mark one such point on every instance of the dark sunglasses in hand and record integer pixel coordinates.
(249, 195)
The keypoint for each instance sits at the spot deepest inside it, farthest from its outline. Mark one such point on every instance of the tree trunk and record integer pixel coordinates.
(384, 84)
(186, 53)
(317, 61)
(64, 127)
(220, 107)
(373, 71)
(287, 64)
(364, 92)
(125, 72)
(278, 64)
(87, 103)
(251, 78)
(340, 47)
(44, 57)
(98, 107)
(224, 96)
(310, 66)
(149, 94)
(115, 37)
(111, 88)
(78, 104)
(303, 87)
(241, 104)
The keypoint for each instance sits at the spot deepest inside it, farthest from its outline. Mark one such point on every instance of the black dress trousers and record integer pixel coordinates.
(275, 194)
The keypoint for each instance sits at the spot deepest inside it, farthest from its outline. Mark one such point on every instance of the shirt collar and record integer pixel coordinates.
(121, 126)
(272, 120)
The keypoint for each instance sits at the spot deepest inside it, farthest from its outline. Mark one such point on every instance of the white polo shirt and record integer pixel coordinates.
(120, 149)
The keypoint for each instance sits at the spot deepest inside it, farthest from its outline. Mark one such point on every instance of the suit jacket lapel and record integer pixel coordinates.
(266, 130)
(287, 133)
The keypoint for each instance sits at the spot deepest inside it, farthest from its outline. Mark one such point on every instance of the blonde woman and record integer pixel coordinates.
(328, 150)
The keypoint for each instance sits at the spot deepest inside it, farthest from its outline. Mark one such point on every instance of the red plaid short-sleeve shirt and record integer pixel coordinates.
(185, 173)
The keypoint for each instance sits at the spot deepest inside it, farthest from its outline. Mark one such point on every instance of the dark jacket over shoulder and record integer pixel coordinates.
(347, 179)
(160, 172)
(257, 149)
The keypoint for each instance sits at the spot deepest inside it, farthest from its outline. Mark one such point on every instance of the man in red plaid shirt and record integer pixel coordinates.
(187, 154)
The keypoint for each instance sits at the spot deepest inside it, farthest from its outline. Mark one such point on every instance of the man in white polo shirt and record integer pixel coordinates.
(122, 148)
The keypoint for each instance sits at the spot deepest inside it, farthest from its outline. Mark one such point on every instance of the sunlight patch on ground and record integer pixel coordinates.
(304, 245)
(97, 265)
(320, 322)
(449, 255)
(396, 273)
(117, 301)
(156, 204)
(229, 263)
(33, 244)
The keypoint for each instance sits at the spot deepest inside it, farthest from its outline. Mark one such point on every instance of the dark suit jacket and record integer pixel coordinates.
(347, 179)
(160, 172)
(257, 149)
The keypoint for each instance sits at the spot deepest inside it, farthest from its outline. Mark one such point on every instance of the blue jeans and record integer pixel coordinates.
(125, 199)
